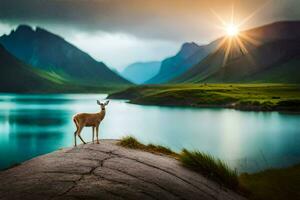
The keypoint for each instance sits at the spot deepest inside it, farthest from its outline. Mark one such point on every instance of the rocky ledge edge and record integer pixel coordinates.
(107, 171)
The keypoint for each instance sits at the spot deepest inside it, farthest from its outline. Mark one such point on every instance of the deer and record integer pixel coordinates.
(93, 120)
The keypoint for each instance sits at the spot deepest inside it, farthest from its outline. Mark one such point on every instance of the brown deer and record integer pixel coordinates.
(89, 120)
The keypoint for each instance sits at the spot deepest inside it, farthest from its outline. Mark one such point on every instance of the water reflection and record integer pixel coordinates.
(32, 125)
(40, 117)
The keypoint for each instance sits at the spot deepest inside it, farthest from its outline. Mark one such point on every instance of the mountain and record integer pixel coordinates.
(189, 55)
(16, 76)
(270, 53)
(49, 52)
(140, 72)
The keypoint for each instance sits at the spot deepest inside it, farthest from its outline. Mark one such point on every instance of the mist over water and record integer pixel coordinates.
(31, 125)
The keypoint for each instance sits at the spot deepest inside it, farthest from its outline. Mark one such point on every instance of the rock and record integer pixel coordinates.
(106, 171)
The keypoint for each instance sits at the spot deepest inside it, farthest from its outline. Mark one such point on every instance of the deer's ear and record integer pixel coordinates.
(106, 102)
(98, 102)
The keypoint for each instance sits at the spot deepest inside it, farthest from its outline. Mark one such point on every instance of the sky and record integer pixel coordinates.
(120, 32)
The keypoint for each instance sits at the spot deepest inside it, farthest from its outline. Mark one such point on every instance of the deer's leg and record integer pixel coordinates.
(75, 137)
(75, 132)
(78, 133)
(81, 139)
(97, 132)
(93, 134)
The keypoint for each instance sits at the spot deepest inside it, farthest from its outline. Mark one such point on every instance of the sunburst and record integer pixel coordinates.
(233, 34)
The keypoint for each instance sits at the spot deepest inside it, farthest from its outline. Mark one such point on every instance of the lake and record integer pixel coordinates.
(32, 125)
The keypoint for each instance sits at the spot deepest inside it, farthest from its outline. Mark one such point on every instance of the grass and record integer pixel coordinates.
(210, 167)
(265, 97)
(275, 184)
(133, 143)
(203, 163)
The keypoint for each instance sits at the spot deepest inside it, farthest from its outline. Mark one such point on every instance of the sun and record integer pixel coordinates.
(232, 30)
(235, 38)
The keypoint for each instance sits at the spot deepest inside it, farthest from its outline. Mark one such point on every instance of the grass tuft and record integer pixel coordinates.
(132, 143)
(203, 163)
(211, 167)
(161, 149)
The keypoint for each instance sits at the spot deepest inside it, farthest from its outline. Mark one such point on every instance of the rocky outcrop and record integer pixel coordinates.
(106, 171)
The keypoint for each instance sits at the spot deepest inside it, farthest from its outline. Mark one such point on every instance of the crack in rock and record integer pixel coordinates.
(170, 173)
(82, 175)
(74, 185)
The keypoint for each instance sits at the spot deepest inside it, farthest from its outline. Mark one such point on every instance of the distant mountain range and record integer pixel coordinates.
(189, 55)
(270, 53)
(40, 61)
(57, 58)
(140, 72)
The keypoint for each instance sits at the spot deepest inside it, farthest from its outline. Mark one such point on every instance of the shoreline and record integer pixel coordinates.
(243, 97)
(239, 108)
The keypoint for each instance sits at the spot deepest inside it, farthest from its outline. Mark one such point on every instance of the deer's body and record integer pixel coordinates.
(89, 119)
(93, 120)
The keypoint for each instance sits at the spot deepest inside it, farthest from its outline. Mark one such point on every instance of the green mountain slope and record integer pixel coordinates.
(255, 65)
(273, 51)
(16, 76)
(287, 72)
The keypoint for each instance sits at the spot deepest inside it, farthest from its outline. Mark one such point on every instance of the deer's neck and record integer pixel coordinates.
(102, 113)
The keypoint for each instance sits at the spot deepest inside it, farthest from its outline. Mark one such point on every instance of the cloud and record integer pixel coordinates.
(120, 50)
(164, 19)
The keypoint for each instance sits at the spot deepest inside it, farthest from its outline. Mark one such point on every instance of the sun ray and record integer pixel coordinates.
(242, 46)
(247, 53)
(227, 52)
(250, 39)
(232, 14)
(218, 17)
(245, 20)
(221, 43)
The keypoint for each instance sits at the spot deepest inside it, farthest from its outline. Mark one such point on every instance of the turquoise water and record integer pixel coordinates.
(32, 125)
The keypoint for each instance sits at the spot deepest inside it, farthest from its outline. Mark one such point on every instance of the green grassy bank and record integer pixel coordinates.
(261, 97)
(273, 184)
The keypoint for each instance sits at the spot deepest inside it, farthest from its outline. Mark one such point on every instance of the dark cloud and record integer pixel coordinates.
(163, 19)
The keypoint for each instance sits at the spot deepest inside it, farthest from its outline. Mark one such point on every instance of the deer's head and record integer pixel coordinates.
(102, 105)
